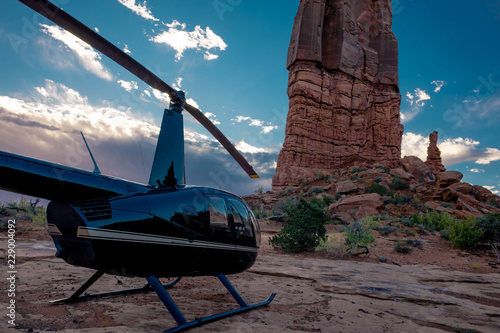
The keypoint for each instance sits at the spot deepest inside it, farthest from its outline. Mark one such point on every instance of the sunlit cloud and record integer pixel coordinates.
(126, 49)
(439, 84)
(128, 85)
(265, 127)
(139, 9)
(244, 147)
(181, 39)
(453, 151)
(212, 117)
(475, 170)
(86, 55)
(417, 102)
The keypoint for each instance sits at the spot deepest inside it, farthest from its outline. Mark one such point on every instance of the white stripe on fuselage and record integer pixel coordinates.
(134, 237)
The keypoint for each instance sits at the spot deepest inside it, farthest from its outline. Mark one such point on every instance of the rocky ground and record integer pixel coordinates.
(433, 289)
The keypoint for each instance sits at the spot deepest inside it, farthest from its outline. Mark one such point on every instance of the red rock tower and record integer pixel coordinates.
(343, 89)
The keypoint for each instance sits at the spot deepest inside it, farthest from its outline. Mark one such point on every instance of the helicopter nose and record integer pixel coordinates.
(63, 222)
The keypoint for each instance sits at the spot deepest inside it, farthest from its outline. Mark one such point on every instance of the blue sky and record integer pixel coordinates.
(229, 56)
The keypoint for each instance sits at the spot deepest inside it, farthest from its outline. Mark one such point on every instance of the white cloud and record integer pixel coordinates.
(489, 187)
(417, 102)
(421, 96)
(181, 40)
(265, 128)
(192, 102)
(139, 9)
(86, 55)
(414, 145)
(453, 151)
(492, 155)
(439, 84)
(128, 85)
(475, 170)
(244, 147)
(212, 117)
(126, 49)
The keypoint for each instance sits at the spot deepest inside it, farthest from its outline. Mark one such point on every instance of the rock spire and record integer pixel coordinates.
(434, 161)
(343, 89)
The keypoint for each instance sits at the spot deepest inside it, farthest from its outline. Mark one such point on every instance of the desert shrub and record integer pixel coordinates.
(416, 243)
(493, 203)
(359, 234)
(465, 233)
(447, 205)
(377, 180)
(332, 247)
(407, 222)
(26, 210)
(398, 183)
(376, 188)
(315, 190)
(304, 184)
(320, 175)
(402, 247)
(409, 232)
(327, 199)
(433, 220)
(386, 170)
(490, 227)
(304, 227)
(261, 213)
(259, 189)
(415, 202)
(445, 233)
(400, 200)
(386, 230)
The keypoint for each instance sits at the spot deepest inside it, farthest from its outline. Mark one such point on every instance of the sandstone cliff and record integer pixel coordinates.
(343, 89)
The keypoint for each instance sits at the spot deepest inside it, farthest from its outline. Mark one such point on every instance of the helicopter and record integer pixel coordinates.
(163, 229)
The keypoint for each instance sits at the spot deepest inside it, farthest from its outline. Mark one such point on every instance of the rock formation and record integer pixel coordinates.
(434, 161)
(343, 90)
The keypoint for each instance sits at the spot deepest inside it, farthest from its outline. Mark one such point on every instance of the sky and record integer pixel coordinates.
(229, 57)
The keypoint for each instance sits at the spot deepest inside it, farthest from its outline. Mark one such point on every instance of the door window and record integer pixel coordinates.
(242, 223)
(218, 215)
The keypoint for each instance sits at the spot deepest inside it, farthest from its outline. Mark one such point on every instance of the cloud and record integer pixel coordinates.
(265, 128)
(128, 85)
(126, 49)
(86, 55)
(439, 84)
(139, 9)
(417, 102)
(181, 40)
(475, 170)
(45, 125)
(212, 117)
(453, 151)
(489, 187)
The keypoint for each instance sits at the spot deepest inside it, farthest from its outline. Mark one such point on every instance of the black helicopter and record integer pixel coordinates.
(163, 229)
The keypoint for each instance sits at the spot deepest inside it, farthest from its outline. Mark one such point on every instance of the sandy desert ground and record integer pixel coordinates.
(436, 289)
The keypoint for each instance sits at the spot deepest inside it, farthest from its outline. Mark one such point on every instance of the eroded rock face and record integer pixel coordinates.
(343, 89)
(434, 161)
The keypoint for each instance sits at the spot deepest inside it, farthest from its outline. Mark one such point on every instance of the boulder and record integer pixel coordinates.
(451, 192)
(432, 205)
(445, 179)
(346, 186)
(417, 168)
(402, 174)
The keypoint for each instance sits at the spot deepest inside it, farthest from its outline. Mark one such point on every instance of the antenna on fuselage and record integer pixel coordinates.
(96, 168)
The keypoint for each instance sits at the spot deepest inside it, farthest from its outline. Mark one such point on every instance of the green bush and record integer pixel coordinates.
(333, 247)
(315, 190)
(432, 220)
(376, 188)
(398, 184)
(304, 227)
(465, 233)
(402, 247)
(490, 227)
(359, 234)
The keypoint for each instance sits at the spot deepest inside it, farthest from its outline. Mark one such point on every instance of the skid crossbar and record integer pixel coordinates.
(76, 297)
(183, 324)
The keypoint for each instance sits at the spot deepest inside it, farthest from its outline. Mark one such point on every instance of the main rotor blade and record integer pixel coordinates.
(69, 23)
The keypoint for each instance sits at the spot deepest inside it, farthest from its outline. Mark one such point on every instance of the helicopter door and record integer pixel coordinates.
(242, 223)
(219, 223)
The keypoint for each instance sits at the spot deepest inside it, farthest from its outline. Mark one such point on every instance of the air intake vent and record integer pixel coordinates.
(95, 210)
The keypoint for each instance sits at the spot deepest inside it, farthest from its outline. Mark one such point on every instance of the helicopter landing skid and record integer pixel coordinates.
(183, 324)
(76, 297)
